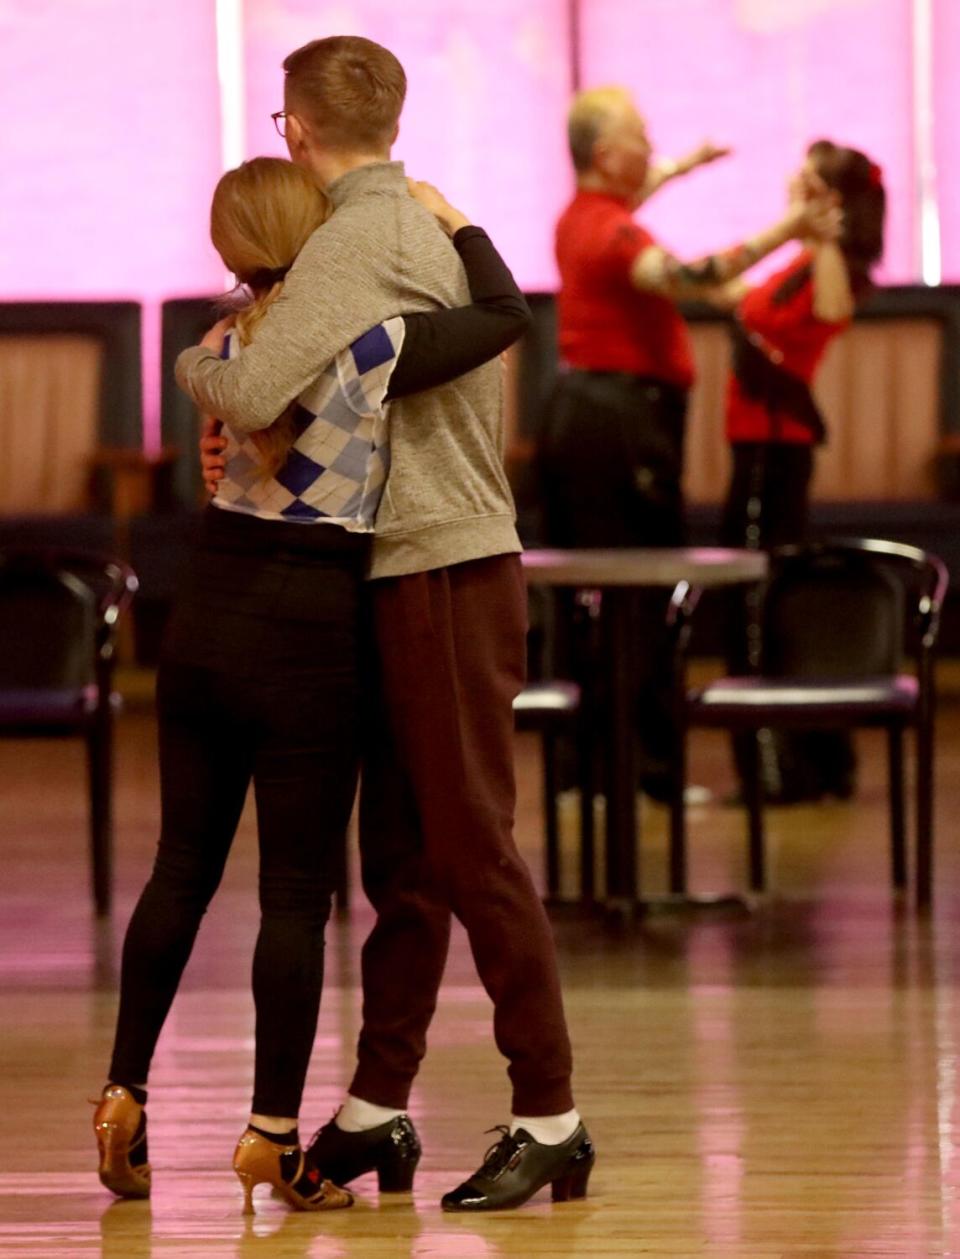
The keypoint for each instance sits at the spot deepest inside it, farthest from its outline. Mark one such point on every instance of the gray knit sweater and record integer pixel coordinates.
(381, 254)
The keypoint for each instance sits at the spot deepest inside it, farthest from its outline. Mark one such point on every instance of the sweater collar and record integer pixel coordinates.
(375, 177)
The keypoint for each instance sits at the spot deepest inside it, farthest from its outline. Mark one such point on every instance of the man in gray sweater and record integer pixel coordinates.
(448, 625)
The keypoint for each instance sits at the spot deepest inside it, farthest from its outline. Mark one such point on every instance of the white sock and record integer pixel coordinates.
(547, 1129)
(356, 1115)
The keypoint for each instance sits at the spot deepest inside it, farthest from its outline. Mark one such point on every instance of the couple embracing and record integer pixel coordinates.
(355, 597)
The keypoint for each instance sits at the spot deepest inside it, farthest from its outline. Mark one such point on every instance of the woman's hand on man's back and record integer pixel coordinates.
(212, 446)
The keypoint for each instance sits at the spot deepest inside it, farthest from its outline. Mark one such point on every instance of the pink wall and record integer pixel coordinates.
(109, 149)
(110, 140)
(766, 78)
(488, 88)
(947, 112)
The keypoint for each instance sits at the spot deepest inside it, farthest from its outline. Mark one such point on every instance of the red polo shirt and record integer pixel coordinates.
(605, 324)
(793, 336)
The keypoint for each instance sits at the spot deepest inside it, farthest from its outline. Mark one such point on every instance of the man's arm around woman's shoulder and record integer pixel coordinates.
(339, 286)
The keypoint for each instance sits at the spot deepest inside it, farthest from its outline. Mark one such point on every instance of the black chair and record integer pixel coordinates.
(837, 620)
(59, 610)
(555, 710)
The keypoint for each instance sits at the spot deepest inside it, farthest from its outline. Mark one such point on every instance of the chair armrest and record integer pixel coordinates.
(931, 603)
(114, 602)
(680, 610)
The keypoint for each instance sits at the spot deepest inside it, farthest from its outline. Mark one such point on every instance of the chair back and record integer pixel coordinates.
(48, 626)
(840, 608)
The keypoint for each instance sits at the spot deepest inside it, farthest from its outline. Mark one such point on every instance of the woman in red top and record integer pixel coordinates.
(782, 330)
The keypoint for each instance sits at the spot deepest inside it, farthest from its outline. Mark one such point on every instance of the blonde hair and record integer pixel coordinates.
(587, 120)
(262, 215)
(349, 89)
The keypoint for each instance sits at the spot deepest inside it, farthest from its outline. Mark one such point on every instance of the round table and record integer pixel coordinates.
(617, 573)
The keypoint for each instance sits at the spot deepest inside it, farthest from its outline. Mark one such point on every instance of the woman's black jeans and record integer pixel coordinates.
(258, 682)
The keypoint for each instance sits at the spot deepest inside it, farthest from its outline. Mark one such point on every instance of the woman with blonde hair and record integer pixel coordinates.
(258, 679)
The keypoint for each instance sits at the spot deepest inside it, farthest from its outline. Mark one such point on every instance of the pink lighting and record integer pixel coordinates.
(488, 90)
(946, 95)
(766, 79)
(112, 142)
(110, 149)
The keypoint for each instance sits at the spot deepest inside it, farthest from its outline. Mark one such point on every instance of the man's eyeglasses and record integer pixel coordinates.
(280, 122)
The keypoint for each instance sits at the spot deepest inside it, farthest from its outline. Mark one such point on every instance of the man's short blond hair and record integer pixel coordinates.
(590, 113)
(349, 90)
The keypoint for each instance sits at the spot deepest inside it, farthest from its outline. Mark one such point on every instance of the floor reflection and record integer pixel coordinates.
(779, 1084)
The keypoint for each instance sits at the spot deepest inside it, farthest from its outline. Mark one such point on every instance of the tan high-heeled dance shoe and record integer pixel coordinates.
(120, 1126)
(258, 1161)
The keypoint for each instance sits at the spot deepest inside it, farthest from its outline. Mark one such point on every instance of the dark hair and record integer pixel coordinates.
(859, 181)
(860, 185)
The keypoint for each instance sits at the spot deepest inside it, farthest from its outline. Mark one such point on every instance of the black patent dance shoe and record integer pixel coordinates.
(517, 1167)
(392, 1150)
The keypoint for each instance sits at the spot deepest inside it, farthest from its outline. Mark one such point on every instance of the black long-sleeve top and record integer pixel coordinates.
(440, 345)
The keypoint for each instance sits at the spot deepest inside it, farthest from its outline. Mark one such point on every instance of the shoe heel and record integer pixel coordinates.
(573, 1185)
(258, 1161)
(116, 1124)
(395, 1175)
(253, 1161)
(112, 1146)
(247, 1182)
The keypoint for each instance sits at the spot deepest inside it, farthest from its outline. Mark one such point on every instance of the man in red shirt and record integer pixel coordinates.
(612, 448)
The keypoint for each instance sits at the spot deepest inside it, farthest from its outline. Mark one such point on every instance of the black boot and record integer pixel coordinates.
(392, 1150)
(517, 1166)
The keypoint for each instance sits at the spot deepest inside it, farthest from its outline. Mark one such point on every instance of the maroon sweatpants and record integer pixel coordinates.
(436, 833)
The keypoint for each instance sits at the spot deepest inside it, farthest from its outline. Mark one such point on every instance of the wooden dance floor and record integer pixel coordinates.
(781, 1085)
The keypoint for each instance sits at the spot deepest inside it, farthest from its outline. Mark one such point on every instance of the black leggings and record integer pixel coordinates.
(257, 681)
(767, 506)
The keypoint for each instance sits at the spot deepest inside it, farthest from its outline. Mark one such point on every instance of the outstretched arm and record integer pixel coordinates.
(662, 171)
(833, 300)
(655, 270)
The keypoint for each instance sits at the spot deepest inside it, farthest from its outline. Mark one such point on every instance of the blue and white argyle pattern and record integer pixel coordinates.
(337, 466)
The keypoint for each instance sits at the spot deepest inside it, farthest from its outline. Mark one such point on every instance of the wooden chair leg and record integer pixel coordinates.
(100, 779)
(898, 844)
(680, 636)
(925, 813)
(753, 789)
(678, 812)
(585, 776)
(550, 817)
